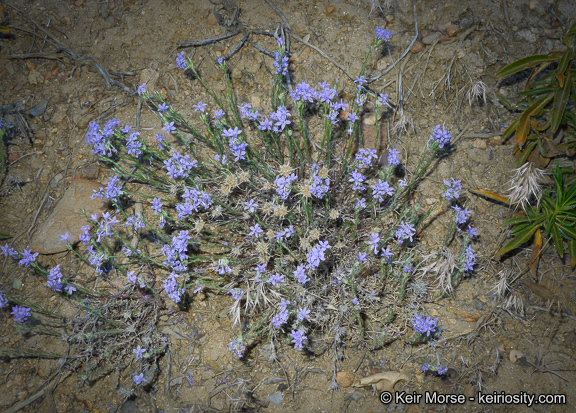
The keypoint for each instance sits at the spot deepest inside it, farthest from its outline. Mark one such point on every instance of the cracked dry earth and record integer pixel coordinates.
(487, 347)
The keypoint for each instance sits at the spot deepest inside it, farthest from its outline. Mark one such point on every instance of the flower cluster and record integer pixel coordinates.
(424, 325)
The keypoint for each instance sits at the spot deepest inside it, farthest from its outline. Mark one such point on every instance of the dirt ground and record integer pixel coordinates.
(487, 347)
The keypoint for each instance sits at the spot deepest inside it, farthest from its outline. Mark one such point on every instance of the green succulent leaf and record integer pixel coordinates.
(526, 63)
(557, 240)
(518, 240)
(560, 101)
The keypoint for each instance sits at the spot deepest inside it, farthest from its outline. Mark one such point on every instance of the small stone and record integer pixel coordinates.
(381, 64)
(212, 20)
(515, 355)
(417, 47)
(90, 172)
(330, 9)
(527, 35)
(496, 140)
(479, 144)
(452, 29)
(532, 4)
(345, 378)
(431, 38)
(369, 119)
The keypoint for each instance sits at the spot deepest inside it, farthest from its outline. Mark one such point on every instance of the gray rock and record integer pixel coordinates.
(526, 35)
(67, 217)
(431, 38)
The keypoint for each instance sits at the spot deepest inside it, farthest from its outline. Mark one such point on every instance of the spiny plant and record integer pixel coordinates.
(308, 238)
(547, 105)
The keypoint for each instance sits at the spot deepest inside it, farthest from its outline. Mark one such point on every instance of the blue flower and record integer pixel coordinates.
(301, 275)
(442, 370)
(199, 107)
(250, 205)
(440, 137)
(383, 34)
(218, 114)
(65, 237)
(139, 379)
(357, 178)
(181, 60)
(355, 301)
(141, 89)
(360, 203)
(139, 352)
(163, 107)
(451, 188)
(365, 156)
(424, 325)
(20, 314)
(303, 313)
(255, 230)
(470, 257)
(169, 127)
(236, 347)
(393, 158)
(404, 232)
(297, 338)
(27, 258)
(361, 257)
(472, 231)
(383, 99)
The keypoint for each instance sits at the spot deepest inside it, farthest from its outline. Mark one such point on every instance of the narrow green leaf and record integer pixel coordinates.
(537, 91)
(570, 33)
(560, 101)
(564, 61)
(526, 153)
(568, 232)
(525, 63)
(5, 236)
(557, 241)
(510, 130)
(572, 252)
(517, 241)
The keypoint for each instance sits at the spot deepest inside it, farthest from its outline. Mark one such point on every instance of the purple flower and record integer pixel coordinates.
(303, 92)
(131, 277)
(440, 137)
(383, 99)
(281, 117)
(355, 301)
(373, 243)
(260, 268)
(231, 133)
(381, 188)
(181, 60)
(69, 289)
(237, 293)
(280, 63)
(386, 253)
(65, 237)
(470, 256)
(141, 89)
(404, 232)
(365, 156)
(7, 250)
(55, 278)
(276, 279)
(199, 107)
(362, 257)
(402, 183)
(451, 188)
(20, 314)
(407, 269)
(218, 114)
(353, 117)
(281, 318)
(297, 338)
(178, 166)
(169, 127)
(360, 203)
(236, 347)
(357, 178)
(473, 232)
(424, 325)
(112, 191)
(383, 34)
(460, 215)
(139, 379)
(393, 158)
(442, 370)
(360, 80)
(255, 230)
(156, 205)
(303, 313)
(283, 185)
(265, 124)
(139, 352)
(326, 94)
(3, 300)
(27, 258)
(163, 107)
(301, 275)
(425, 367)
(250, 205)
(238, 149)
